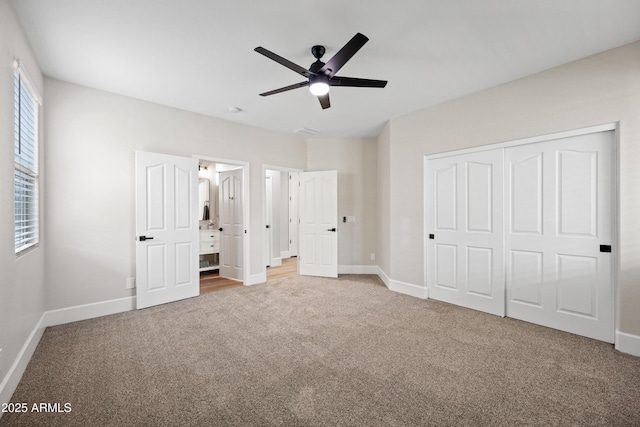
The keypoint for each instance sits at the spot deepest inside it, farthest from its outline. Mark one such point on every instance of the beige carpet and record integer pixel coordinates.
(323, 352)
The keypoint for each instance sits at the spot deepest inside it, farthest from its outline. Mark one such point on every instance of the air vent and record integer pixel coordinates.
(307, 131)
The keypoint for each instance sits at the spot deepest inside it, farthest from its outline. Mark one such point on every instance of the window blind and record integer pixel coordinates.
(25, 181)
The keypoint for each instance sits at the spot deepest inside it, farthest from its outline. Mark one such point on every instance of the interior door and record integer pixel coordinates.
(559, 213)
(268, 220)
(167, 242)
(465, 254)
(231, 224)
(318, 242)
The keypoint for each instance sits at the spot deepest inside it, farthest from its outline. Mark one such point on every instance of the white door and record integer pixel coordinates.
(167, 242)
(558, 200)
(231, 224)
(294, 184)
(465, 254)
(318, 243)
(268, 220)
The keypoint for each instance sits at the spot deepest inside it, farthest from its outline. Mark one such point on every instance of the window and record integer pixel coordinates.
(25, 181)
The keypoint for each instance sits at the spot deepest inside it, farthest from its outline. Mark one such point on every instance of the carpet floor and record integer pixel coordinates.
(305, 351)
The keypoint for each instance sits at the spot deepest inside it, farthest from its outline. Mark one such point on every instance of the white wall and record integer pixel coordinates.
(383, 202)
(92, 136)
(600, 89)
(355, 159)
(21, 279)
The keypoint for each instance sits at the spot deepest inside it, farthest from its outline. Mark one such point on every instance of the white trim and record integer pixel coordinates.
(276, 262)
(256, 279)
(88, 311)
(383, 276)
(531, 140)
(285, 254)
(409, 289)
(627, 343)
(24, 77)
(14, 374)
(280, 168)
(403, 287)
(357, 269)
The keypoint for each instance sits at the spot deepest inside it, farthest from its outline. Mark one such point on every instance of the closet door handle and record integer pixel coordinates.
(332, 229)
(143, 238)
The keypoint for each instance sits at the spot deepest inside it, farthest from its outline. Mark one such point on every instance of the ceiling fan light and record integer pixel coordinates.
(319, 88)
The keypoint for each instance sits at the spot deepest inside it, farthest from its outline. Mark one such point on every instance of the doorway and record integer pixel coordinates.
(280, 195)
(223, 223)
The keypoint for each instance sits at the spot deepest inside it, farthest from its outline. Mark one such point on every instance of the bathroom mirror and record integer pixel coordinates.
(204, 199)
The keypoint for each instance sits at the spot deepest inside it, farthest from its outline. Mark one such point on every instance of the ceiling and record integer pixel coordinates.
(197, 55)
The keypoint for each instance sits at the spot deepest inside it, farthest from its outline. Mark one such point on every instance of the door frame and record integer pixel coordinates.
(266, 167)
(615, 179)
(246, 211)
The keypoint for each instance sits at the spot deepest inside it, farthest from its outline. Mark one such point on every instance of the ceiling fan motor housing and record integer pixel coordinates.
(317, 51)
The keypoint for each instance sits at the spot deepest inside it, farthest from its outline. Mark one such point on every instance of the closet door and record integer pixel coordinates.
(559, 212)
(465, 254)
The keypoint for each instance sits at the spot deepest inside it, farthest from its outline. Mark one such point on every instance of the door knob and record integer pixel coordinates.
(220, 229)
(332, 229)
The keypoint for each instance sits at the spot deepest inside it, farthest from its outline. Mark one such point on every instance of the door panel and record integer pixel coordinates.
(465, 258)
(525, 269)
(526, 197)
(479, 205)
(557, 276)
(480, 271)
(318, 224)
(166, 214)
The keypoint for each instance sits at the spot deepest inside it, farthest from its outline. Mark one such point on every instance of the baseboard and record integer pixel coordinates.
(12, 378)
(357, 269)
(383, 276)
(627, 343)
(402, 287)
(256, 279)
(88, 311)
(285, 254)
(409, 289)
(276, 262)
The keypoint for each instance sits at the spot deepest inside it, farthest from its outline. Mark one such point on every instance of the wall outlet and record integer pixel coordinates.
(130, 283)
(373, 257)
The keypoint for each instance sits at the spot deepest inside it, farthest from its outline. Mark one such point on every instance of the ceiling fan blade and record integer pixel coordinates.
(286, 88)
(348, 50)
(355, 82)
(282, 61)
(324, 101)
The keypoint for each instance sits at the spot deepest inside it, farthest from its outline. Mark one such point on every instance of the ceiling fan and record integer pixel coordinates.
(320, 76)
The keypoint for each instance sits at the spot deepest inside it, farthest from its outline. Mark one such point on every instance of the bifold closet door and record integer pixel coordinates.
(465, 252)
(559, 213)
